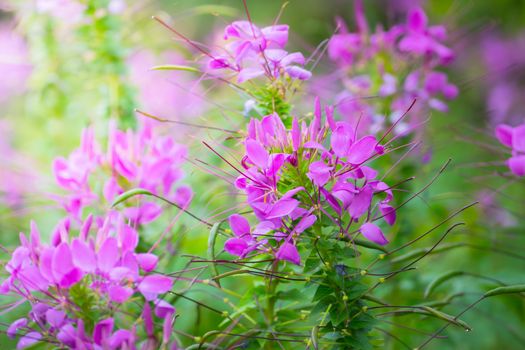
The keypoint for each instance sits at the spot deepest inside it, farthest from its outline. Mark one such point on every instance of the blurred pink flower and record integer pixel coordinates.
(166, 94)
(15, 67)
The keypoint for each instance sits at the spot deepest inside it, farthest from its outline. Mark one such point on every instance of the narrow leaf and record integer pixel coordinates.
(370, 245)
(517, 288)
(440, 280)
(447, 317)
(211, 249)
(129, 194)
(176, 67)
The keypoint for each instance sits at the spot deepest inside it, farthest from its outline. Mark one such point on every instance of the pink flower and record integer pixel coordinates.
(514, 138)
(373, 233)
(133, 160)
(105, 265)
(253, 52)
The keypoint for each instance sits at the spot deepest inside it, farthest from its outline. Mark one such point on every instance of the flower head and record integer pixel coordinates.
(292, 176)
(81, 281)
(514, 138)
(133, 159)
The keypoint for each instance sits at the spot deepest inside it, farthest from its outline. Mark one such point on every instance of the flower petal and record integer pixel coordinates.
(288, 252)
(239, 225)
(373, 233)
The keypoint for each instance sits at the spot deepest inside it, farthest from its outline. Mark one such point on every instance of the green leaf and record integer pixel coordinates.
(176, 67)
(447, 317)
(517, 288)
(440, 280)
(370, 245)
(129, 194)
(211, 249)
(314, 336)
(215, 10)
(419, 252)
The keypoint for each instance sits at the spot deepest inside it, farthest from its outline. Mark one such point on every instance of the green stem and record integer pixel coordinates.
(271, 287)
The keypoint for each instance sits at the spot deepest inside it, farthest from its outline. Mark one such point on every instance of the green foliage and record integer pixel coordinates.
(85, 304)
(272, 99)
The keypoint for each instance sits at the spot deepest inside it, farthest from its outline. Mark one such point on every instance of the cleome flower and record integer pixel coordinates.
(133, 159)
(514, 138)
(253, 52)
(293, 177)
(397, 65)
(80, 287)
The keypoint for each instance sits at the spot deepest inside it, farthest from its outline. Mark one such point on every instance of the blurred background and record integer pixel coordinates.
(65, 65)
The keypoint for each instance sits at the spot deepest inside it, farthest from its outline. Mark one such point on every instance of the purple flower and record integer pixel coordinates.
(243, 243)
(252, 52)
(105, 264)
(400, 62)
(373, 233)
(423, 40)
(288, 252)
(514, 138)
(133, 159)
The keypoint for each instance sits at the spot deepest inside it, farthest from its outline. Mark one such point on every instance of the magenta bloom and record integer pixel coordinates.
(105, 265)
(513, 138)
(400, 62)
(253, 52)
(333, 159)
(421, 39)
(133, 160)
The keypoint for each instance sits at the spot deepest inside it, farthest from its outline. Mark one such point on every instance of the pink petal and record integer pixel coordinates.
(362, 150)
(504, 134)
(518, 138)
(282, 208)
(389, 213)
(62, 262)
(102, 331)
(155, 284)
(239, 225)
(108, 255)
(119, 294)
(319, 173)
(289, 252)
(341, 139)
(83, 256)
(417, 20)
(163, 309)
(236, 246)
(296, 134)
(257, 153)
(360, 203)
(28, 339)
(373, 233)
(13, 327)
(147, 261)
(55, 318)
(517, 165)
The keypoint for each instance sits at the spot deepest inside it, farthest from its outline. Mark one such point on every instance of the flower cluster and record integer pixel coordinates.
(81, 287)
(252, 52)
(134, 159)
(514, 137)
(293, 176)
(398, 65)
